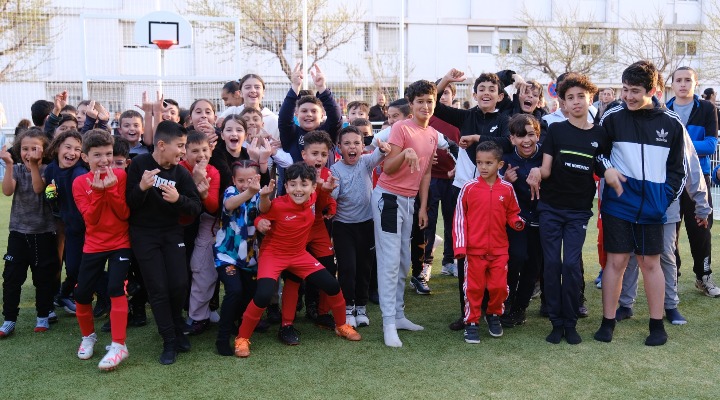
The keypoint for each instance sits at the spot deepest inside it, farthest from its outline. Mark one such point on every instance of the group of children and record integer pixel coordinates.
(248, 197)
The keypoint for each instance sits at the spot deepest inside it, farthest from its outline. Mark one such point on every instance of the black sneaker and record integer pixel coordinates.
(182, 344)
(169, 354)
(419, 283)
(583, 311)
(457, 325)
(623, 313)
(196, 327)
(513, 319)
(494, 325)
(472, 333)
(289, 335)
(273, 314)
(325, 321)
(137, 318)
(311, 311)
(102, 308)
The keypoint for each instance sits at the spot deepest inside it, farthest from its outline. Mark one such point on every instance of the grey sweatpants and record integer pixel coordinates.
(669, 269)
(204, 274)
(393, 219)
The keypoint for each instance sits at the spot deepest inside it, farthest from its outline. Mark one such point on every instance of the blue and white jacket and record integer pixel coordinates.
(702, 126)
(649, 150)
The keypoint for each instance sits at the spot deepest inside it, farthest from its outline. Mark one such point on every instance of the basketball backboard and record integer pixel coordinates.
(160, 28)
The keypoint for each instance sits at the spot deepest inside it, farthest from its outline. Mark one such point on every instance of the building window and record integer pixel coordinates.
(590, 49)
(127, 29)
(479, 41)
(368, 36)
(511, 46)
(388, 38)
(686, 48)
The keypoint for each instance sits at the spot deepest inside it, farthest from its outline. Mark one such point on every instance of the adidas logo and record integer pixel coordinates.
(661, 135)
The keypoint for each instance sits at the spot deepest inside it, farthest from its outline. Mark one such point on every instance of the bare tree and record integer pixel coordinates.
(710, 44)
(274, 26)
(379, 74)
(563, 45)
(651, 37)
(25, 37)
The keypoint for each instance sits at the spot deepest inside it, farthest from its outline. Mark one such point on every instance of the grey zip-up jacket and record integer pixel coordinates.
(694, 185)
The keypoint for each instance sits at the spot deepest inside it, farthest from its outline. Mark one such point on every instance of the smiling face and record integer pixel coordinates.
(233, 99)
(487, 96)
(171, 152)
(69, 152)
(171, 113)
(253, 120)
(81, 113)
(99, 158)
(395, 115)
(131, 129)
(242, 178)
(233, 134)
(684, 84)
(309, 116)
(197, 152)
(577, 101)
(299, 190)
(203, 111)
(526, 145)
(252, 91)
(28, 146)
(315, 155)
(529, 99)
(422, 107)
(636, 97)
(351, 147)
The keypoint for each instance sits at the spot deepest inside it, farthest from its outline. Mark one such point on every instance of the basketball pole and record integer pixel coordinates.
(304, 45)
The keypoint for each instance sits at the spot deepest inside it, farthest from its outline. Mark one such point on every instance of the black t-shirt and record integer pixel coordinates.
(571, 184)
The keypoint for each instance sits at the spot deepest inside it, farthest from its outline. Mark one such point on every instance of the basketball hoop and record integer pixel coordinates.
(164, 44)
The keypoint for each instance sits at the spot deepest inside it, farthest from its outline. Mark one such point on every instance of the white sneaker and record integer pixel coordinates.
(214, 317)
(85, 351)
(426, 271)
(447, 269)
(350, 316)
(707, 286)
(361, 316)
(116, 354)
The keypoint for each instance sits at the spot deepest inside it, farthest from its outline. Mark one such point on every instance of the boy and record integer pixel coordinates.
(100, 197)
(406, 174)
(700, 119)
(203, 274)
(565, 204)
(131, 128)
(638, 191)
(287, 220)
(525, 252)
(357, 109)
(159, 192)
(309, 111)
(484, 245)
(364, 126)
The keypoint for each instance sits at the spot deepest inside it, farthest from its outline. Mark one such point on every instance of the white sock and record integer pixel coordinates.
(391, 337)
(406, 324)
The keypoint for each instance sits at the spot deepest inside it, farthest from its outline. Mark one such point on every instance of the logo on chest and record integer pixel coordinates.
(162, 181)
(662, 135)
(501, 198)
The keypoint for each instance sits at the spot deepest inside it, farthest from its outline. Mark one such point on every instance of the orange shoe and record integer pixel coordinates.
(242, 347)
(348, 332)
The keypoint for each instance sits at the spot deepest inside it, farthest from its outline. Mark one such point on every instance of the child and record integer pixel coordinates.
(256, 128)
(60, 174)
(231, 97)
(357, 109)
(700, 119)
(100, 197)
(204, 276)
(131, 128)
(236, 248)
(565, 205)
(644, 172)
(485, 207)
(252, 90)
(158, 193)
(525, 252)
(32, 241)
(406, 173)
(309, 111)
(352, 226)
(287, 220)
(365, 128)
(91, 115)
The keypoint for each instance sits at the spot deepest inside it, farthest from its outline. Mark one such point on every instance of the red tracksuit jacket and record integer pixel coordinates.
(481, 215)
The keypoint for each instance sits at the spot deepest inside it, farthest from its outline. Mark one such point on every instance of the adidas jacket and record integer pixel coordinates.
(702, 126)
(648, 149)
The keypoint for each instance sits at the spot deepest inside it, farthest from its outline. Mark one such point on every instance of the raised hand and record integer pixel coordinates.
(169, 193)
(268, 189)
(318, 78)
(110, 179)
(148, 179)
(157, 106)
(60, 102)
(254, 184)
(296, 77)
(35, 156)
(454, 75)
(103, 114)
(146, 106)
(383, 146)
(467, 141)
(199, 172)
(510, 174)
(329, 184)
(6, 156)
(203, 187)
(96, 183)
(91, 111)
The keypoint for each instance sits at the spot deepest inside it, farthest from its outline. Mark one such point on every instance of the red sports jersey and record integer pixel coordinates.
(105, 213)
(490, 209)
(211, 203)
(325, 203)
(291, 224)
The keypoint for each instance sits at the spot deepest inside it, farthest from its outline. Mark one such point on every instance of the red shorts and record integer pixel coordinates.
(319, 244)
(271, 265)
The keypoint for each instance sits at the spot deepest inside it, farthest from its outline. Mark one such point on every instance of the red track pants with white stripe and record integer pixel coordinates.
(485, 272)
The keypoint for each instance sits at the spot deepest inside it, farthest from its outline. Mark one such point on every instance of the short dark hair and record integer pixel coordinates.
(121, 147)
(402, 105)
(302, 171)
(361, 122)
(320, 137)
(242, 164)
(131, 114)
(305, 92)
(195, 137)
(167, 131)
(641, 73)
(250, 110)
(489, 146)
(518, 123)
(231, 87)
(489, 77)
(346, 130)
(35, 133)
(39, 110)
(60, 138)
(576, 80)
(451, 86)
(96, 138)
(309, 99)
(68, 109)
(362, 105)
(68, 117)
(420, 88)
(235, 118)
(173, 103)
(685, 68)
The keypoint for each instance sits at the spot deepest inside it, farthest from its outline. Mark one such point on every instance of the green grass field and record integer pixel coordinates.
(435, 363)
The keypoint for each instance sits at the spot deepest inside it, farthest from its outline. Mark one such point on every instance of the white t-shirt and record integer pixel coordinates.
(269, 118)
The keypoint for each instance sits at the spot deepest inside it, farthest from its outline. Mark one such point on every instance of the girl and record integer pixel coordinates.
(236, 248)
(32, 241)
(60, 173)
(232, 98)
(252, 91)
(353, 226)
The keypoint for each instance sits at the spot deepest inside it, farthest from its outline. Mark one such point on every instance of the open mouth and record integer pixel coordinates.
(352, 155)
(318, 166)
